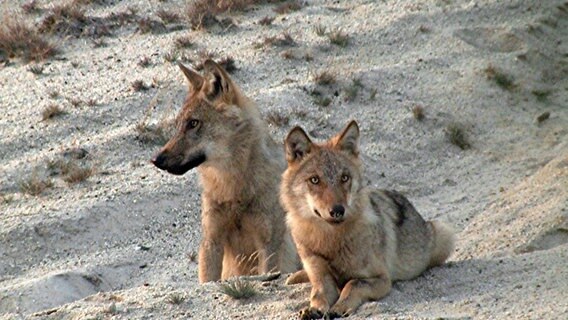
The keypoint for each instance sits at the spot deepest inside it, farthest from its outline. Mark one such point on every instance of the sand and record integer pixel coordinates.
(121, 244)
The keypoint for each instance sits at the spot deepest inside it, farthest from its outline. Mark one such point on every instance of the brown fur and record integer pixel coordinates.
(353, 240)
(221, 133)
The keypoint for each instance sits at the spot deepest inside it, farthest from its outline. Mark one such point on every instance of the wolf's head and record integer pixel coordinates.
(322, 179)
(213, 113)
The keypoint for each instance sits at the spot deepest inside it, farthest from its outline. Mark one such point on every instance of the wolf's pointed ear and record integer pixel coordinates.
(194, 78)
(222, 82)
(297, 144)
(348, 139)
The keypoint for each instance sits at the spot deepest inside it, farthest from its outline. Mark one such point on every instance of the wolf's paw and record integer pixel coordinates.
(313, 313)
(310, 313)
(341, 310)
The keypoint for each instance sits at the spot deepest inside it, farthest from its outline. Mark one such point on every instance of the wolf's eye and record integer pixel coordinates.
(345, 178)
(315, 180)
(193, 123)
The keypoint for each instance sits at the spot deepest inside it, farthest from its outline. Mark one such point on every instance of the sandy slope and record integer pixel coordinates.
(129, 230)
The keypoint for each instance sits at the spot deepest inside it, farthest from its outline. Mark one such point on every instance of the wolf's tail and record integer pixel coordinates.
(444, 241)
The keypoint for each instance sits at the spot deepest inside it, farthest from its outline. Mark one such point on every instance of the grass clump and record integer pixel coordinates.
(144, 62)
(19, 40)
(457, 136)
(320, 29)
(65, 19)
(282, 40)
(175, 298)
(351, 91)
(139, 85)
(34, 185)
(541, 95)
(70, 170)
(238, 289)
(184, 42)
(36, 69)
(288, 7)
(338, 38)
(168, 16)
(277, 119)
(266, 21)
(52, 111)
(501, 79)
(418, 112)
(202, 14)
(149, 25)
(324, 78)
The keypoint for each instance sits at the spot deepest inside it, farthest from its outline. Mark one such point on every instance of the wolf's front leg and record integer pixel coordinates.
(267, 260)
(324, 288)
(357, 291)
(210, 260)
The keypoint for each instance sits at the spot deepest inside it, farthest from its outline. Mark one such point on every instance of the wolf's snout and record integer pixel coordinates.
(159, 160)
(337, 211)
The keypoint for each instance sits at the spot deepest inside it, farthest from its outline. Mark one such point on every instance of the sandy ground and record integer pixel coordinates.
(120, 244)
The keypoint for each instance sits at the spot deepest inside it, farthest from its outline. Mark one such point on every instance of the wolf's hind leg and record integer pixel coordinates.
(357, 291)
(300, 276)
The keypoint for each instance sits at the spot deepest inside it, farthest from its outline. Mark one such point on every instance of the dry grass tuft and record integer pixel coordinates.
(418, 112)
(171, 56)
(139, 85)
(168, 16)
(227, 62)
(36, 69)
(149, 25)
(175, 298)
(34, 185)
(92, 102)
(457, 136)
(338, 38)
(351, 91)
(288, 54)
(65, 19)
(184, 42)
(288, 7)
(238, 289)
(282, 40)
(19, 40)
(76, 102)
(69, 168)
(324, 78)
(320, 29)
(52, 111)
(266, 21)
(53, 94)
(500, 78)
(75, 173)
(144, 62)
(202, 13)
(543, 117)
(541, 95)
(277, 119)
(322, 101)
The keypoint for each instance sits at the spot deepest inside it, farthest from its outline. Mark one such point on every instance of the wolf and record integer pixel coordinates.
(353, 240)
(220, 132)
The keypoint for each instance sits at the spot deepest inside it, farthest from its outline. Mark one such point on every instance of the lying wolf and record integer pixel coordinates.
(353, 240)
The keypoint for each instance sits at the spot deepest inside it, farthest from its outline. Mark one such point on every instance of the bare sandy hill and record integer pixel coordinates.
(121, 243)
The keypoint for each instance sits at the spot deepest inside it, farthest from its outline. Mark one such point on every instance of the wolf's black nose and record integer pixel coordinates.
(337, 211)
(159, 160)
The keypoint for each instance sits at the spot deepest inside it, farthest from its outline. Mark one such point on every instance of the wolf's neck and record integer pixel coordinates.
(244, 175)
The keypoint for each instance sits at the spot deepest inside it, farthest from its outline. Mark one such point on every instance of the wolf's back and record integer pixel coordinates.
(419, 244)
